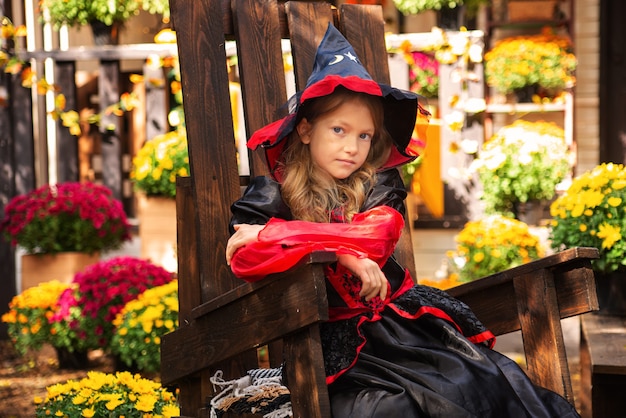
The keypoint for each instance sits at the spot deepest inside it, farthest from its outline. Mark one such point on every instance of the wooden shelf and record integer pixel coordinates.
(528, 24)
(525, 107)
(567, 107)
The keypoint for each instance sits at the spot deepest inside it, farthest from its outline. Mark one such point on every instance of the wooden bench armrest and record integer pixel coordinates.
(533, 298)
(493, 298)
(300, 294)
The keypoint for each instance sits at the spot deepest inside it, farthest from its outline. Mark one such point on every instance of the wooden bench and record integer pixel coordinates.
(603, 366)
(223, 320)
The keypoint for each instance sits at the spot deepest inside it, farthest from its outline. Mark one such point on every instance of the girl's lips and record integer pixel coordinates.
(347, 162)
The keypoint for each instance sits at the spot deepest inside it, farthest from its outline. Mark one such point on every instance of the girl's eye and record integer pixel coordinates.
(337, 130)
(365, 137)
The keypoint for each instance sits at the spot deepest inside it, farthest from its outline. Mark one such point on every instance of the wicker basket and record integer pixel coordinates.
(528, 10)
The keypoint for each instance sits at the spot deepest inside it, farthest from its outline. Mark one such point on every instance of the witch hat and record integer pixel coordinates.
(336, 64)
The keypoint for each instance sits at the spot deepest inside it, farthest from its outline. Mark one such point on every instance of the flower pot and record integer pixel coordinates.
(525, 95)
(157, 231)
(611, 290)
(520, 10)
(37, 268)
(72, 360)
(451, 18)
(104, 34)
(531, 212)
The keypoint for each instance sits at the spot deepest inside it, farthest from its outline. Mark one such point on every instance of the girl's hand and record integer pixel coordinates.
(244, 233)
(373, 279)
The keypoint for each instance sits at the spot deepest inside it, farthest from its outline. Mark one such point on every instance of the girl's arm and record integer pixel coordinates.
(280, 244)
(374, 282)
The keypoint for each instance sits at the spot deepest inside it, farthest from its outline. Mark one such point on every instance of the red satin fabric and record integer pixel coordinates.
(282, 244)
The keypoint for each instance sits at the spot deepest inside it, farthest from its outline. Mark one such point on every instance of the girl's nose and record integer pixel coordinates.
(351, 145)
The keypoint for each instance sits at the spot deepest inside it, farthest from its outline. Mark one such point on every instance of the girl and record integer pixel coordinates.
(390, 347)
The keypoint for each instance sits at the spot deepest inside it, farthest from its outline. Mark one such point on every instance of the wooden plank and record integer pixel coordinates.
(245, 289)
(307, 25)
(66, 143)
(603, 365)
(17, 176)
(213, 161)
(7, 192)
(157, 104)
(302, 372)
(24, 154)
(283, 305)
(356, 20)
(259, 47)
(189, 294)
(606, 336)
(110, 127)
(538, 311)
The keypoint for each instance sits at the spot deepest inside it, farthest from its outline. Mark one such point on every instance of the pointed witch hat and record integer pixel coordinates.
(336, 64)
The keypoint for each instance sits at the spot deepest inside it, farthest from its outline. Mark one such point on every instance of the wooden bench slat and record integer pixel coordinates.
(284, 304)
(307, 24)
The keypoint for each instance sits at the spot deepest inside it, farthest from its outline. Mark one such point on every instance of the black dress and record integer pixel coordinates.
(420, 353)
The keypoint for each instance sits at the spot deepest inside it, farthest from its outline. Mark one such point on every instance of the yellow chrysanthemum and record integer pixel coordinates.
(609, 234)
(602, 193)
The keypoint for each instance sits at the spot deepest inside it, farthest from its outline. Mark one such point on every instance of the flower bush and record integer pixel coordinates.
(493, 244)
(28, 318)
(592, 213)
(82, 217)
(545, 60)
(101, 292)
(68, 323)
(159, 161)
(523, 161)
(101, 395)
(140, 325)
(423, 74)
(408, 7)
(83, 12)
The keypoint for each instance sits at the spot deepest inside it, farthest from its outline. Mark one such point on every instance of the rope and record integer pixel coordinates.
(260, 391)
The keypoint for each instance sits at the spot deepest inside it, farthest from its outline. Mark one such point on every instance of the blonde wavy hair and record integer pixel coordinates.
(311, 193)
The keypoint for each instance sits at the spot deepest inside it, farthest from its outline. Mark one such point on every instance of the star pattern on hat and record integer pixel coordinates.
(352, 57)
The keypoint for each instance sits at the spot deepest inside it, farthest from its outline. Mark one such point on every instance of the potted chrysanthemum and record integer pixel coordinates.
(29, 314)
(141, 324)
(68, 224)
(592, 213)
(155, 169)
(539, 62)
(158, 163)
(521, 164)
(101, 292)
(107, 395)
(493, 244)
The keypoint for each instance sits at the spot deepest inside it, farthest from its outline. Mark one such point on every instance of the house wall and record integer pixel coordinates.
(586, 99)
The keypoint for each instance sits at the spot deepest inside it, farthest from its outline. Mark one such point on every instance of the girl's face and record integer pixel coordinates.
(340, 140)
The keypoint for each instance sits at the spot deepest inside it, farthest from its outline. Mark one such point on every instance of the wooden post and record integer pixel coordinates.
(110, 126)
(16, 162)
(66, 143)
